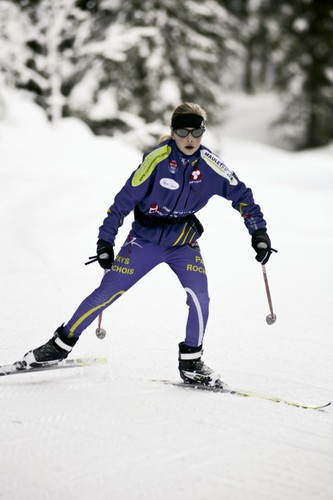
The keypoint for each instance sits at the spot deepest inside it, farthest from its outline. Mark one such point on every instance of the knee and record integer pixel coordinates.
(198, 298)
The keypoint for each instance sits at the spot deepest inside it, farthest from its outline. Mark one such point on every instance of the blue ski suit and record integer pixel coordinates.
(165, 192)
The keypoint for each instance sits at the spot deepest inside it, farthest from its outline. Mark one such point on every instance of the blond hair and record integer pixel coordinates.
(185, 108)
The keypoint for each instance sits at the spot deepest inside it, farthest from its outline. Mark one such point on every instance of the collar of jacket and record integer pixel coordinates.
(183, 158)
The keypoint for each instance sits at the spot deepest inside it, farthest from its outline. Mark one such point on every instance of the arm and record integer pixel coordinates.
(242, 200)
(124, 202)
(231, 188)
(133, 192)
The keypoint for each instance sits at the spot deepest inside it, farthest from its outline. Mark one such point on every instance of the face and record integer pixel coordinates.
(187, 145)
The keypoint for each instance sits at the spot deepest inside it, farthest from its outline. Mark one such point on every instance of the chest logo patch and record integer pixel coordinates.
(169, 183)
(173, 166)
(195, 176)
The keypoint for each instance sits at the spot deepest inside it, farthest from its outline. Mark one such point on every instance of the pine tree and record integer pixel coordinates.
(54, 27)
(251, 33)
(120, 64)
(304, 67)
(14, 53)
(146, 57)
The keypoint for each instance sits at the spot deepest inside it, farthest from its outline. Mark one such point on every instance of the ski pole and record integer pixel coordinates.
(270, 318)
(100, 332)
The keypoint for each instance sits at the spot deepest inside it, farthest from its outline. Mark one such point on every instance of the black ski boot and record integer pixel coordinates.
(56, 349)
(194, 371)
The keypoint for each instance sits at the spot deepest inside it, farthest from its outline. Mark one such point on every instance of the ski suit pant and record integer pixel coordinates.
(136, 258)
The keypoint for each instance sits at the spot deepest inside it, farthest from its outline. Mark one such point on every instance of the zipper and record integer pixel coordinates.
(177, 200)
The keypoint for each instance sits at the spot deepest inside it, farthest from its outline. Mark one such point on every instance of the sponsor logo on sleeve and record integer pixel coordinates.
(218, 166)
(149, 164)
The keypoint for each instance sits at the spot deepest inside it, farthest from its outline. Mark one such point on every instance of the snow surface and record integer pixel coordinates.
(110, 432)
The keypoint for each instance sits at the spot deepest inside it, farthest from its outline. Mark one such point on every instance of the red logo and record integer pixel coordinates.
(154, 208)
(173, 167)
(196, 175)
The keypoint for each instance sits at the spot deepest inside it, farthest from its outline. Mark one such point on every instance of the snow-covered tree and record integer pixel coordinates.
(14, 53)
(303, 58)
(123, 65)
(52, 29)
(109, 61)
(146, 57)
(251, 32)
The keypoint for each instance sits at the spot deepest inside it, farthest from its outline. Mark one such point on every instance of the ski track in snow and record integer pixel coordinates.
(110, 431)
(112, 436)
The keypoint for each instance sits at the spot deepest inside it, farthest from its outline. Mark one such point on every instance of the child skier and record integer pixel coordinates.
(175, 180)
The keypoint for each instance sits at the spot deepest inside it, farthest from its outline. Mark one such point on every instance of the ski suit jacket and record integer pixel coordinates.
(168, 188)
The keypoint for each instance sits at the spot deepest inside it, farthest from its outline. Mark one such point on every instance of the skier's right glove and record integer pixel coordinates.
(105, 255)
(262, 245)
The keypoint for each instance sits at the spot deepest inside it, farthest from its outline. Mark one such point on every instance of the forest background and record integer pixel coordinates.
(121, 66)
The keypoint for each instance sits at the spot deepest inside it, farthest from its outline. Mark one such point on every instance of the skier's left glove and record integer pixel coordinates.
(105, 255)
(262, 245)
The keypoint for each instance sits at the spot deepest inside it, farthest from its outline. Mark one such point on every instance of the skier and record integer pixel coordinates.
(175, 179)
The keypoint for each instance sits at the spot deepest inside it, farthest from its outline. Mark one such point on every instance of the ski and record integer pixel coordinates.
(243, 393)
(19, 367)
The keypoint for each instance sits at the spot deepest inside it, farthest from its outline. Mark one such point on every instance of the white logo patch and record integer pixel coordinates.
(169, 183)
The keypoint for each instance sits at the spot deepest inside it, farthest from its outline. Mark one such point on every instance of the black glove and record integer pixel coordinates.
(105, 255)
(262, 245)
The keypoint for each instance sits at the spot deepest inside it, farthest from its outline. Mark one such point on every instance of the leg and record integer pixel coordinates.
(187, 263)
(135, 259)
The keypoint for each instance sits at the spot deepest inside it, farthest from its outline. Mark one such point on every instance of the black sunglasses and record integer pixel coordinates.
(184, 132)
